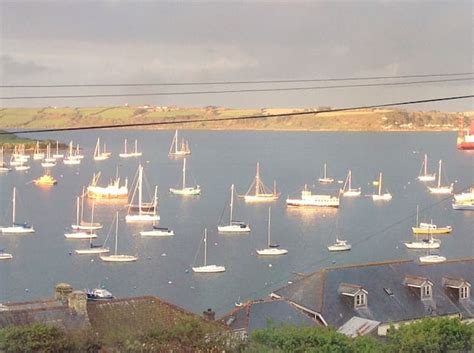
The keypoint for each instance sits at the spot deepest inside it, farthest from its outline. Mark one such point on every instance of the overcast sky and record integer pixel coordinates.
(54, 42)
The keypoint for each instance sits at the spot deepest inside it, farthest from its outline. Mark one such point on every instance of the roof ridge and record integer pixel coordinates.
(369, 264)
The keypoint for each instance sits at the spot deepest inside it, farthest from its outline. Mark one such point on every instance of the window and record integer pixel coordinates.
(426, 291)
(360, 300)
(464, 292)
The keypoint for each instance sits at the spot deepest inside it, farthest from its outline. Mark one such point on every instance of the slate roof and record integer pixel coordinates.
(41, 311)
(388, 299)
(260, 314)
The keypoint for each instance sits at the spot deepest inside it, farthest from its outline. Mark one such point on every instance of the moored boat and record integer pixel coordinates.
(98, 294)
(308, 199)
(466, 140)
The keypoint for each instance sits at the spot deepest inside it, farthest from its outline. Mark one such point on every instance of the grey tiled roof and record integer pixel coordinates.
(388, 299)
(261, 314)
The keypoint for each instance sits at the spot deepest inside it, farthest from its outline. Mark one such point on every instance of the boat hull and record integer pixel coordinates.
(141, 218)
(17, 230)
(233, 229)
(438, 230)
(383, 197)
(80, 235)
(129, 155)
(157, 233)
(441, 190)
(92, 251)
(86, 227)
(339, 247)
(6, 256)
(422, 245)
(209, 269)
(464, 206)
(186, 191)
(432, 259)
(261, 198)
(272, 252)
(428, 177)
(119, 258)
(326, 180)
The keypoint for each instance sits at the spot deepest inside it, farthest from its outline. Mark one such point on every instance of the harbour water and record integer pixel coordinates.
(218, 159)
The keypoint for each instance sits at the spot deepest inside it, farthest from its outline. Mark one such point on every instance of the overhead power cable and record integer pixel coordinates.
(248, 90)
(334, 79)
(249, 117)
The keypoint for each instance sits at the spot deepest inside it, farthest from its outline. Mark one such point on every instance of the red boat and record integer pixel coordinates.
(466, 142)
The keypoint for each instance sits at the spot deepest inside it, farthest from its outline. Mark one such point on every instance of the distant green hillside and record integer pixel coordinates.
(358, 120)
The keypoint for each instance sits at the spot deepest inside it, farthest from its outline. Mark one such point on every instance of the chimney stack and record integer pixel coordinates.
(62, 291)
(209, 314)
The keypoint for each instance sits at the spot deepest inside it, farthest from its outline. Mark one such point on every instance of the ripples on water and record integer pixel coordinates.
(218, 159)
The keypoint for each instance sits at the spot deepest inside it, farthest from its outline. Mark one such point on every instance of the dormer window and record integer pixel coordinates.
(426, 291)
(356, 292)
(460, 285)
(422, 284)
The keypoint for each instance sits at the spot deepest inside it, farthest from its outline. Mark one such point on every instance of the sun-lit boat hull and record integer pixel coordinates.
(209, 269)
(432, 259)
(119, 258)
(383, 197)
(272, 251)
(261, 198)
(157, 233)
(17, 230)
(437, 230)
(80, 235)
(6, 256)
(92, 251)
(186, 191)
(422, 245)
(141, 218)
(234, 228)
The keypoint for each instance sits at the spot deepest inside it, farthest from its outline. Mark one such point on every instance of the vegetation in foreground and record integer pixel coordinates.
(358, 120)
(190, 335)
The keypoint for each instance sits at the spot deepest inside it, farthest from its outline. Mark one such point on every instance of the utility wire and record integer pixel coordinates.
(249, 117)
(248, 90)
(236, 82)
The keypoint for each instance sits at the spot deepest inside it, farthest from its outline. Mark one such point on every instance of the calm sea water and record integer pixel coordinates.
(218, 159)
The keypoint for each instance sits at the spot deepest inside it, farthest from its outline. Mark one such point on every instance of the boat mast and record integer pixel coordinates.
(439, 174)
(380, 183)
(140, 176)
(14, 205)
(205, 246)
(136, 146)
(116, 232)
(77, 210)
(324, 177)
(231, 202)
(125, 147)
(176, 142)
(82, 205)
(57, 147)
(257, 180)
(269, 231)
(97, 148)
(417, 210)
(184, 173)
(70, 149)
(349, 180)
(426, 164)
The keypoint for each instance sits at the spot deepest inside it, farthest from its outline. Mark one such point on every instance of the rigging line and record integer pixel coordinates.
(333, 79)
(249, 117)
(249, 90)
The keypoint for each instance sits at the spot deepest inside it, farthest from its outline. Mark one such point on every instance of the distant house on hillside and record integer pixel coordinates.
(361, 299)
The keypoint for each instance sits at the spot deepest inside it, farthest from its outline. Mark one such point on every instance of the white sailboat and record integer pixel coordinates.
(157, 232)
(142, 212)
(80, 223)
(127, 154)
(5, 256)
(177, 150)
(325, 179)
(58, 155)
(16, 228)
(78, 154)
(94, 249)
(233, 226)
(379, 196)
(432, 259)
(260, 191)
(271, 249)
(37, 154)
(339, 245)
(49, 161)
(424, 175)
(441, 189)
(347, 189)
(3, 166)
(118, 257)
(78, 233)
(71, 158)
(186, 190)
(207, 268)
(98, 154)
(429, 243)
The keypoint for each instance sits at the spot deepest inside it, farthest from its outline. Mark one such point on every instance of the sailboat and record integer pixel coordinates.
(339, 245)
(424, 175)
(347, 189)
(207, 268)
(81, 224)
(5, 256)
(379, 196)
(116, 257)
(79, 234)
(430, 243)
(37, 154)
(441, 189)
(98, 154)
(176, 150)
(271, 249)
(16, 228)
(71, 158)
(58, 155)
(186, 190)
(142, 212)
(127, 154)
(429, 228)
(233, 226)
(431, 258)
(78, 153)
(3, 166)
(325, 179)
(261, 194)
(48, 161)
(94, 248)
(157, 232)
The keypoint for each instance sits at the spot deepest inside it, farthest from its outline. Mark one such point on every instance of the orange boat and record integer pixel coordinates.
(466, 140)
(45, 180)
